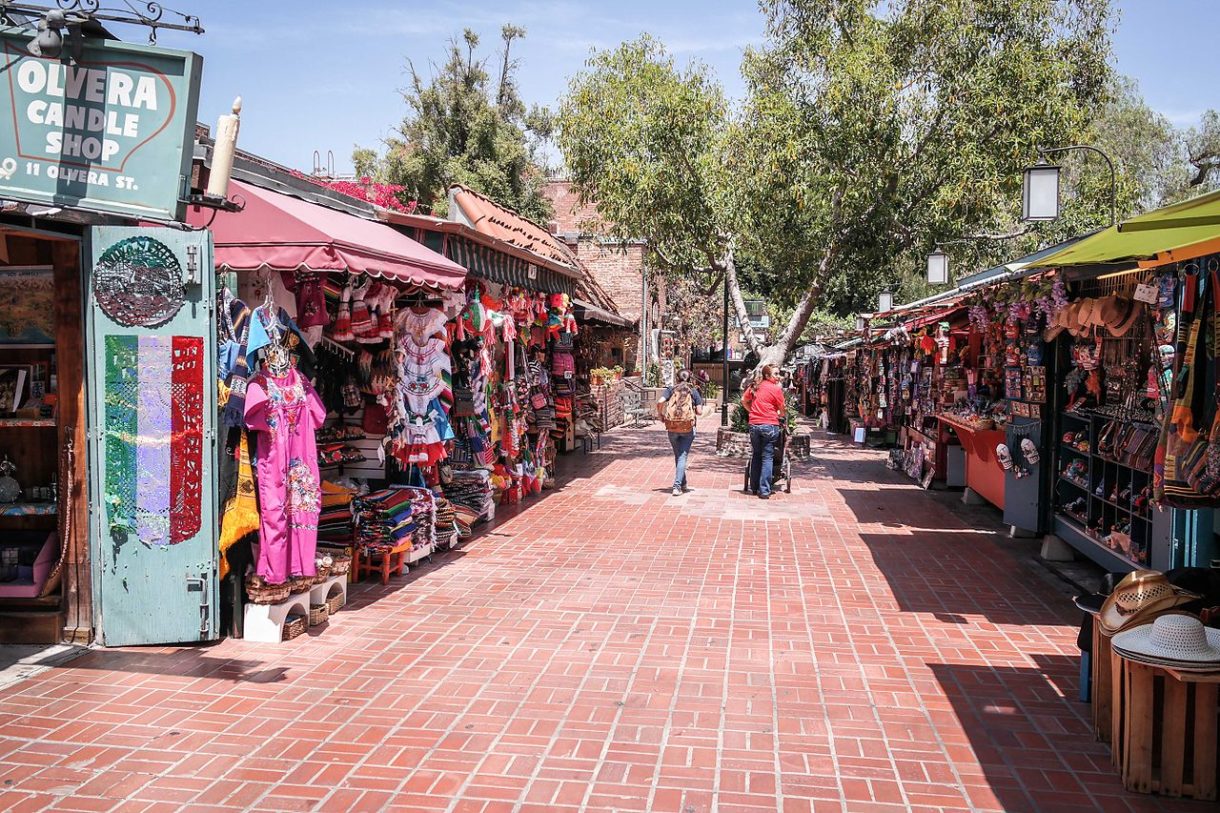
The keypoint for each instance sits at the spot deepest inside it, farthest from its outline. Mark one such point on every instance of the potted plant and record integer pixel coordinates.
(618, 372)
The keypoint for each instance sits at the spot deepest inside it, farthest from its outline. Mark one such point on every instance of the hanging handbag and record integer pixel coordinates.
(1182, 445)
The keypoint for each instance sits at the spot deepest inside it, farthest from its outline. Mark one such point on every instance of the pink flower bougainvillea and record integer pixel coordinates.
(383, 195)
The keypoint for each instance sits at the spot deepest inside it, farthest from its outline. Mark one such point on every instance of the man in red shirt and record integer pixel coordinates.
(765, 401)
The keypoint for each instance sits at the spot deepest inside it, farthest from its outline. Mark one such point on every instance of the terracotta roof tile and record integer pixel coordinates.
(494, 220)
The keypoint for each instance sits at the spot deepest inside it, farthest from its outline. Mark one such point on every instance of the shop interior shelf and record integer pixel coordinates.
(28, 509)
(1063, 479)
(1074, 450)
(1096, 550)
(26, 423)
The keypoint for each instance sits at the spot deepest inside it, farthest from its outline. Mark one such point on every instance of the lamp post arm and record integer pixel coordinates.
(1043, 152)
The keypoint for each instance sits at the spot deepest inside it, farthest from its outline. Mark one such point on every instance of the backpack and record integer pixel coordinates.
(680, 410)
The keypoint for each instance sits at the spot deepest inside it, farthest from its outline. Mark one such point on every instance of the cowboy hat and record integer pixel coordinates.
(1133, 311)
(1175, 639)
(1091, 602)
(1137, 599)
(1081, 317)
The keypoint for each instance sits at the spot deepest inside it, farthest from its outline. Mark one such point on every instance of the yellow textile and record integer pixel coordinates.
(240, 515)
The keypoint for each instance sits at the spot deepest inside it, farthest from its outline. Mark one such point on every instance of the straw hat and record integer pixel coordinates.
(1127, 320)
(1175, 639)
(1137, 599)
(1082, 317)
(1066, 318)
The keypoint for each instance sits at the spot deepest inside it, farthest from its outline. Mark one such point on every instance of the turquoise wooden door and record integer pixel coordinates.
(151, 392)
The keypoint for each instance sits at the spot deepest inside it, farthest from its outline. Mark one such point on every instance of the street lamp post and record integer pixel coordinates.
(1040, 188)
(724, 359)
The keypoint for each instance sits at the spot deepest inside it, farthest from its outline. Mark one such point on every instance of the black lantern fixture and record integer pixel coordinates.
(938, 267)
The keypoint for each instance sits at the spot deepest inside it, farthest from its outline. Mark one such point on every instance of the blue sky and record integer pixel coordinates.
(325, 76)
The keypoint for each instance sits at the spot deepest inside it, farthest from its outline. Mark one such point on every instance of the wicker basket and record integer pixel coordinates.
(342, 564)
(318, 613)
(294, 625)
(324, 573)
(259, 592)
(334, 603)
(299, 584)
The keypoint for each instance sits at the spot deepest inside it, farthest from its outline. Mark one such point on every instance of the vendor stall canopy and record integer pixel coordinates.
(283, 233)
(1179, 232)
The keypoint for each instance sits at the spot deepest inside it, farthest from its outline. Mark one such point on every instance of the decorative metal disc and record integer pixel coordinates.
(138, 282)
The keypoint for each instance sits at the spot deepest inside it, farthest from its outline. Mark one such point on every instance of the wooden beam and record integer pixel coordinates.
(73, 485)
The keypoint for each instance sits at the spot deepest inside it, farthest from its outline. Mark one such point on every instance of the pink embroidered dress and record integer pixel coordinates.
(286, 413)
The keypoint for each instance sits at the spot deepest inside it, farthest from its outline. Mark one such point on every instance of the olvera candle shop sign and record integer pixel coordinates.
(112, 131)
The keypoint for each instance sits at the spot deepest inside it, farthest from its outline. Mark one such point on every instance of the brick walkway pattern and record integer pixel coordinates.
(855, 645)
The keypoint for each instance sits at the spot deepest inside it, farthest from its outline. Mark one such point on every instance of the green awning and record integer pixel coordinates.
(1147, 236)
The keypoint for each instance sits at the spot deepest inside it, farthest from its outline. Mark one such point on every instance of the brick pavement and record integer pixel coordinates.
(854, 646)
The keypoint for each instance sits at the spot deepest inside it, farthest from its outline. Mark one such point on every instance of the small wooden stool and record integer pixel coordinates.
(387, 563)
(1166, 724)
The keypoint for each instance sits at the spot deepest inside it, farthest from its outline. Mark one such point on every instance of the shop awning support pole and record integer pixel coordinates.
(724, 359)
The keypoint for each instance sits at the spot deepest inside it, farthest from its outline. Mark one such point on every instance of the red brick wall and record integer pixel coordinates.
(619, 271)
(570, 216)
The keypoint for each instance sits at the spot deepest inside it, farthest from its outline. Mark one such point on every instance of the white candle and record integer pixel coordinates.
(222, 152)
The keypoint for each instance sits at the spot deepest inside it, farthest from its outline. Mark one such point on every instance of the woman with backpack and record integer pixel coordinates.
(765, 401)
(679, 407)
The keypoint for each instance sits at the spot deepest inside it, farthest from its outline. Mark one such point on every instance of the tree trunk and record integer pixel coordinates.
(729, 267)
(775, 353)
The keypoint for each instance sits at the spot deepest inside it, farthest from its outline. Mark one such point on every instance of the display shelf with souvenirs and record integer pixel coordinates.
(1109, 425)
(30, 578)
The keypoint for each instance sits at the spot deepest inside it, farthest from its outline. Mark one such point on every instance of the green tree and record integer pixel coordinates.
(870, 131)
(463, 127)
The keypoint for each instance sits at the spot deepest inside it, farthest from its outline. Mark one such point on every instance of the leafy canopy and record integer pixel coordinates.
(462, 128)
(870, 131)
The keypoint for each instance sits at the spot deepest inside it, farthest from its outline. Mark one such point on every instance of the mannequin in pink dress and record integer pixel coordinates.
(286, 412)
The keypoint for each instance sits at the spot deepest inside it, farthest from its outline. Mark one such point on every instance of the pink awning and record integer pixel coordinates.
(283, 233)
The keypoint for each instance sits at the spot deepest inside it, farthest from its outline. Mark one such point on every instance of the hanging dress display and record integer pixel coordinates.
(284, 414)
(419, 405)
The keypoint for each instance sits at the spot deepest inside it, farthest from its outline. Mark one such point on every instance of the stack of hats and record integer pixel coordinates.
(1147, 617)
(446, 523)
(1176, 640)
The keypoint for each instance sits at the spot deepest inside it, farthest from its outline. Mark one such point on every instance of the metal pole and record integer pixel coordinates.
(724, 359)
(1113, 175)
(644, 326)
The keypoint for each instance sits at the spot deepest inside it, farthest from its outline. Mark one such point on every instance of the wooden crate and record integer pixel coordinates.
(1166, 734)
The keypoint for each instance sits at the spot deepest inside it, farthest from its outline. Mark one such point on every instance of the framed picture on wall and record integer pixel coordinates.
(27, 305)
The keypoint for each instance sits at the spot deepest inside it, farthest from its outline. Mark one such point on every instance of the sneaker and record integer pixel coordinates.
(764, 496)
(677, 491)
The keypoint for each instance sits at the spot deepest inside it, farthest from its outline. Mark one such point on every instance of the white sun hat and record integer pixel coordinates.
(1172, 640)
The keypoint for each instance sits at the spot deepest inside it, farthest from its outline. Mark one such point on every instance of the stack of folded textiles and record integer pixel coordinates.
(472, 489)
(335, 522)
(385, 519)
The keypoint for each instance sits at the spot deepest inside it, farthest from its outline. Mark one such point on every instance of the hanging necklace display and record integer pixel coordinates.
(137, 282)
(277, 360)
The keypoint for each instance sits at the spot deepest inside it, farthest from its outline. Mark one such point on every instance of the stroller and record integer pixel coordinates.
(781, 466)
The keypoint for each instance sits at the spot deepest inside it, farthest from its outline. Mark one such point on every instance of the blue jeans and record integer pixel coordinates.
(762, 440)
(681, 443)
